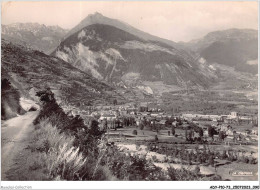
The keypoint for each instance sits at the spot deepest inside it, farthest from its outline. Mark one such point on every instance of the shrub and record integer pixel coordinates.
(173, 130)
(197, 170)
(215, 178)
(182, 174)
(141, 126)
(224, 155)
(134, 132)
(252, 160)
(10, 101)
(245, 159)
(127, 167)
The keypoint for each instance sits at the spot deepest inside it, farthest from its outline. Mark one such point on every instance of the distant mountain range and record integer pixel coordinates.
(237, 48)
(120, 55)
(34, 35)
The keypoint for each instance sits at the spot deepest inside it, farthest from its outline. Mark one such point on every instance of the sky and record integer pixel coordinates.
(176, 21)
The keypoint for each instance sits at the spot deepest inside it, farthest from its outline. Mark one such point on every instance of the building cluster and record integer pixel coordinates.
(151, 113)
(225, 123)
(233, 117)
(129, 115)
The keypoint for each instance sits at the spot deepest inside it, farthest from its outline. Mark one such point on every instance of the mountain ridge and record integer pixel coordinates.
(237, 48)
(34, 35)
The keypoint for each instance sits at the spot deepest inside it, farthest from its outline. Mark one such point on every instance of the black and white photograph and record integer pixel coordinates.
(101, 91)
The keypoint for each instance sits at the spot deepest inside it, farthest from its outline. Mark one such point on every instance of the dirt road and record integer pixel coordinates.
(14, 138)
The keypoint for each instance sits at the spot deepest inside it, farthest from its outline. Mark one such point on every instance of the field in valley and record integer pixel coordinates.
(138, 144)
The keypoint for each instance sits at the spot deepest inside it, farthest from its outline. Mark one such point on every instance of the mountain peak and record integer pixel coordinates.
(96, 14)
(93, 19)
(98, 18)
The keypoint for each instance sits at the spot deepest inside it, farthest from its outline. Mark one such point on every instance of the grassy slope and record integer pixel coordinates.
(38, 164)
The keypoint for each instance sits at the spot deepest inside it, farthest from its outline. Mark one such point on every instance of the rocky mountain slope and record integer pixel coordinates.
(115, 55)
(30, 70)
(34, 35)
(237, 48)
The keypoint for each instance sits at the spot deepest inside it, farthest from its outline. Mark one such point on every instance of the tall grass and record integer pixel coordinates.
(53, 154)
(48, 136)
(64, 162)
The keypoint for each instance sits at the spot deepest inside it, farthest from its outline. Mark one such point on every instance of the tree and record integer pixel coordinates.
(211, 132)
(115, 102)
(211, 160)
(200, 132)
(224, 154)
(197, 170)
(117, 122)
(105, 125)
(156, 138)
(134, 132)
(189, 158)
(200, 159)
(173, 130)
(46, 95)
(186, 134)
(5, 84)
(221, 135)
(190, 135)
(141, 126)
(94, 129)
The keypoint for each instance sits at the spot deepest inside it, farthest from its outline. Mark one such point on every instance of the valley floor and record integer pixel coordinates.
(137, 144)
